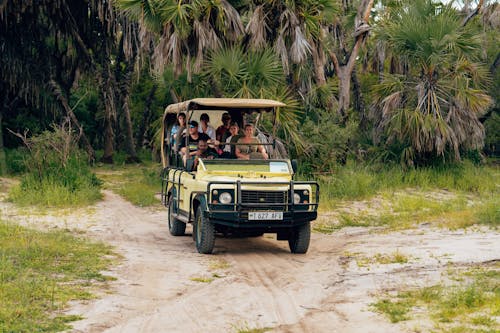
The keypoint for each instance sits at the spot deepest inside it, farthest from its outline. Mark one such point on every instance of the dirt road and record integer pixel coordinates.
(164, 285)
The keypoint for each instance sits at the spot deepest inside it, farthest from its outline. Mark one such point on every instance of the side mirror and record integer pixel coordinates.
(295, 166)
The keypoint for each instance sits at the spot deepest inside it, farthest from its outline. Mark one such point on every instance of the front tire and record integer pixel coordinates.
(300, 238)
(176, 227)
(204, 233)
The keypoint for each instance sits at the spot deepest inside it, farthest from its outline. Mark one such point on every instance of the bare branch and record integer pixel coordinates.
(473, 13)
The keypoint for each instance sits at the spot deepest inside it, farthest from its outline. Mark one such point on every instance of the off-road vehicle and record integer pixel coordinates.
(232, 196)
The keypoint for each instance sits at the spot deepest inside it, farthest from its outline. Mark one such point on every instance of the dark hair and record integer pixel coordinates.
(226, 116)
(205, 117)
(234, 123)
(182, 114)
(249, 125)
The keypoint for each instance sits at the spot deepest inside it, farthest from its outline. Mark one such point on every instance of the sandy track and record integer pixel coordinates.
(256, 281)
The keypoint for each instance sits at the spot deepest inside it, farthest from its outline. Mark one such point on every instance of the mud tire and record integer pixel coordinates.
(176, 227)
(204, 233)
(300, 238)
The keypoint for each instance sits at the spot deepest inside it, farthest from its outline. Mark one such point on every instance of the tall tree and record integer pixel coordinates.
(434, 107)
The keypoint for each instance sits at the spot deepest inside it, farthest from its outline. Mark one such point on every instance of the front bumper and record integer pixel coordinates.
(240, 219)
(236, 214)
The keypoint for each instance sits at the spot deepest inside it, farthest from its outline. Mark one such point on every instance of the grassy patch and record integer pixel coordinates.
(471, 305)
(137, 184)
(362, 181)
(245, 328)
(410, 208)
(40, 272)
(218, 264)
(202, 279)
(49, 193)
(395, 310)
(395, 257)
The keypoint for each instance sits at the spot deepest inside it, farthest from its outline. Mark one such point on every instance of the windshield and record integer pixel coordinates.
(241, 166)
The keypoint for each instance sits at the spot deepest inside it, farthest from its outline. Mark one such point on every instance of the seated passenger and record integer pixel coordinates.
(177, 130)
(203, 151)
(192, 141)
(206, 127)
(253, 150)
(222, 132)
(229, 150)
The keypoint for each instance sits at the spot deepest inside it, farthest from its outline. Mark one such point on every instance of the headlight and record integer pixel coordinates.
(225, 198)
(296, 198)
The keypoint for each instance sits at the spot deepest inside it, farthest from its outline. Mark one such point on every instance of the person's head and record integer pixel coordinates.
(226, 118)
(193, 127)
(202, 146)
(249, 130)
(234, 128)
(181, 118)
(204, 118)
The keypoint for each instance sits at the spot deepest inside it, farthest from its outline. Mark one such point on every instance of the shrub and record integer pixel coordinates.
(58, 173)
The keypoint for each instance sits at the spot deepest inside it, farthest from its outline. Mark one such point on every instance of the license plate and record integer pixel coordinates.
(265, 216)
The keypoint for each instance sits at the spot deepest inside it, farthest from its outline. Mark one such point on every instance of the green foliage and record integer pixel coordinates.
(40, 272)
(432, 108)
(492, 127)
(326, 141)
(396, 310)
(138, 184)
(57, 173)
(355, 180)
(15, 160)
(467, 307)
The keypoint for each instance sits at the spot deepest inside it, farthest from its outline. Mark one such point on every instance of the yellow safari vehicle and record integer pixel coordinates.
(229, 196)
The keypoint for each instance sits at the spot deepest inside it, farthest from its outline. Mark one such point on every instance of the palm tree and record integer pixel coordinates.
(434, 107)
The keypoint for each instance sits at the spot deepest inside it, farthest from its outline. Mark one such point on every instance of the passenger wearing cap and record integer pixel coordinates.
(189, 150)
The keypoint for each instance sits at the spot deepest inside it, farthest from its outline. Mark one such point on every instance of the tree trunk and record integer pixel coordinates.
(359, 101)
(57, 92)
(129, 136)
(344, 71)
(3, 159)
(146, 117)
(107, 88)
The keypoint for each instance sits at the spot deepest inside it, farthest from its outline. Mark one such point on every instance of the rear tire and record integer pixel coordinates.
(176, 227)
(204, 233)
(300, 238)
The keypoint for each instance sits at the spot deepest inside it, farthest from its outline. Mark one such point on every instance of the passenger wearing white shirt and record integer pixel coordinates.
(205, 127)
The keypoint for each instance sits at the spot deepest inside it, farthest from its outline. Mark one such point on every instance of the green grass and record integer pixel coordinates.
(202, 279)
(354, 182)
(409, 208)
(472, 305)
(136, 183)
(52, 194)
(40, 272)
(52, 184)
(245, 328)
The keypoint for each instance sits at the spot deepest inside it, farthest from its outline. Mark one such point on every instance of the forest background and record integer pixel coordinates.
(406, 82)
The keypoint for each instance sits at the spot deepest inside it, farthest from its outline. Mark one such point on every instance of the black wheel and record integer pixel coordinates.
(204, 233)
(300, 238)
(176, 227)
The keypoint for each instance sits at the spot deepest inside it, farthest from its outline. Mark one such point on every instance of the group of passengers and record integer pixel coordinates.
(228, 141)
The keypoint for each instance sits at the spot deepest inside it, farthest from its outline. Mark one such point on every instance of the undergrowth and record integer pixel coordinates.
(40, 272)
(472, 305)
(56, 174)
(355, 181)
(138, 183)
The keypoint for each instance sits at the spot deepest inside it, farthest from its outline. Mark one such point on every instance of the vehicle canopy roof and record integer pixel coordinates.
(245, 104)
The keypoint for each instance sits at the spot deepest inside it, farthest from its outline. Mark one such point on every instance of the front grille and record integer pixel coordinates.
(263, 197)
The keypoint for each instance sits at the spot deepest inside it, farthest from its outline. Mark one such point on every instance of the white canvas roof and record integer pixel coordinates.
(214, 103)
